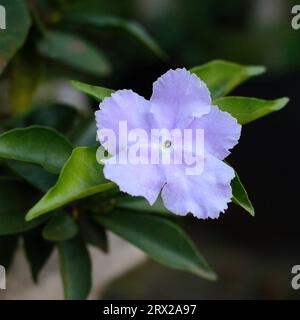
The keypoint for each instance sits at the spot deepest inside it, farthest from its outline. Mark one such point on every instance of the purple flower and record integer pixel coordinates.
(180, 100)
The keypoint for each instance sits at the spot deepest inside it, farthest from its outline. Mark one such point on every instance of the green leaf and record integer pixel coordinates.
(8, 246)
(74, 52)
(222, 77)
(131, 27)
(246, 110)
(98, 93)
(93, 233)
(160, 238)
(140, 204)
(16, 197)
(38, 145)
(240, 196)
(60, 228)
(58, 116)
(33, 174)
(80, 177)
(37, 251)
(75, 267)
(17, 27)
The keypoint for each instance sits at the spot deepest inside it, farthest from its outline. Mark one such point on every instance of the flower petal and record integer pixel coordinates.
(123, 105)
(204, 195)
(177, 97)
(137, 179)
(221, 132)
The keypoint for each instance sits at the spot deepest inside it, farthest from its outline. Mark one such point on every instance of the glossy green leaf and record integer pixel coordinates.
(16, 197)
(131, 27)
(246, 110)
(74, 52)
(33, 174)
(75, 267)
(240, 196)
(160, 238)
(38, 145)
(80, 177)
(98, 93)
(17, 26)
(60, 228)
(8, 246)
(221, 77)
(37, 251)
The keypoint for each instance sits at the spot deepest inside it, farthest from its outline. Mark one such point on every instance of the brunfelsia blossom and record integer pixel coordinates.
(180, 100)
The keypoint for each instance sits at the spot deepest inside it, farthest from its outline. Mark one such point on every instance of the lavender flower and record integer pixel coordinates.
(180, 101)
